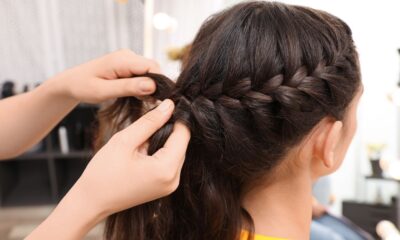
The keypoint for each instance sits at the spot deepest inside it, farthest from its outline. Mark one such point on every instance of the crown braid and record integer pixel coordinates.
(297, 93)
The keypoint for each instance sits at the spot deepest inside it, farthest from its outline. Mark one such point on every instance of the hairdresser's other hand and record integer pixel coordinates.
(107, 77)
(122, 175)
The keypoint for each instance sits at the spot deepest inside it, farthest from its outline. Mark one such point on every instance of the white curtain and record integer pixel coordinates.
(39, 38)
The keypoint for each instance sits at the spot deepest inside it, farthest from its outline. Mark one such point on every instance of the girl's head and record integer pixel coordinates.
(267, 89)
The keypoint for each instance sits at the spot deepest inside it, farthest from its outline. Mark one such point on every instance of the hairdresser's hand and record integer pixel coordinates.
(120, 175)
(107, 77)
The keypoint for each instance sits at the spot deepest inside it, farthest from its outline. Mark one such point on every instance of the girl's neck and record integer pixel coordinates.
(283, 208)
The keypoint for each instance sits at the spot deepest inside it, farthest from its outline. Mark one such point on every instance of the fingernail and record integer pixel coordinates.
(146, 85)
(165, 105)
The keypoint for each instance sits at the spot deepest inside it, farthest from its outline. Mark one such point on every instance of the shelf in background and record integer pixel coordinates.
(28, 194)
(26, 182)
(56, 155)
(44, 174)
(73, 154)
(382, 178)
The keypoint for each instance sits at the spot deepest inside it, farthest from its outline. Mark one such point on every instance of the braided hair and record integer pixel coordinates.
(259, 76)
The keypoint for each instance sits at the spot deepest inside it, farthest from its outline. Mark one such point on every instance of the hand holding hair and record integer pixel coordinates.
(28, 117)
(107, 77)
(119, 176)
(122, 174)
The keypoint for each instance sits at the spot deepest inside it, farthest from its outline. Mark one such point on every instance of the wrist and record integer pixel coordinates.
(90, 212)
(77, 214)
(73, 218)
(57, 88)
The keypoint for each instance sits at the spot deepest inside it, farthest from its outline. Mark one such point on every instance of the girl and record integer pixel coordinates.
(269, 92)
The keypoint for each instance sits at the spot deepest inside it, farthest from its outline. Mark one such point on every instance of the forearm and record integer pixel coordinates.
(71, 219)
(119, 177)
(26, 118)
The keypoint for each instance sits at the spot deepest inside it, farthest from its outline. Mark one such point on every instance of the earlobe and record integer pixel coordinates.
(331, 143)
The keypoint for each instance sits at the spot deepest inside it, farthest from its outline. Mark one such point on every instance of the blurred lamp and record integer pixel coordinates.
(162, 21)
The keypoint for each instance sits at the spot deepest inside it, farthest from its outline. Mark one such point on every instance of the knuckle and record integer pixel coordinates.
(121, 54)
(114, 58)
(169, 181)
(168, 174)
(173, 186)
(168, 177)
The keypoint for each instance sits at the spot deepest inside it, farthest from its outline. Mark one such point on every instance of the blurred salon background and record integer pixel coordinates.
(39, 38)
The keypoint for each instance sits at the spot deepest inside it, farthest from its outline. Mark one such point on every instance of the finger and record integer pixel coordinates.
(135, 65)
(145, 65)
(126, 63)
(174, 149)
(125, 87)
(139, 132)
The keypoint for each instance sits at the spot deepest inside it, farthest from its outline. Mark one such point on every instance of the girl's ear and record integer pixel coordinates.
(324, 154)
(331, 142)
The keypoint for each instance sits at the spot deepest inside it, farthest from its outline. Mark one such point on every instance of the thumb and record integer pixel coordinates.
(125, 87)
(141, 130)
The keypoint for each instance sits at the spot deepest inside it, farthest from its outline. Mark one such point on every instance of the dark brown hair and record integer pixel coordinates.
(259, 76)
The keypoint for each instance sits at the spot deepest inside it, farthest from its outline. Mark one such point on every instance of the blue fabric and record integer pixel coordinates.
(331, 228)
(321, 232)
(322, 190)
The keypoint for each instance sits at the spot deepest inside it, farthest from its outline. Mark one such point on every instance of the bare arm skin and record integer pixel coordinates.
(26, 118)
(120, 175)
